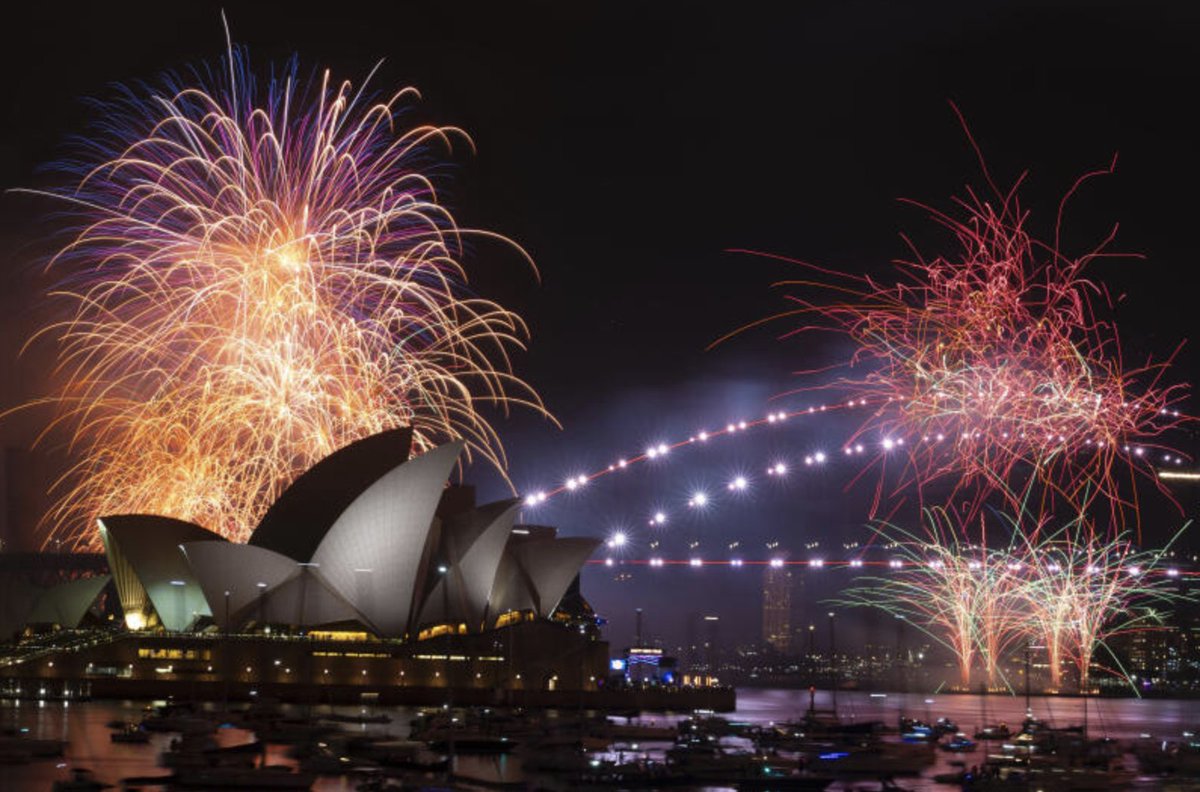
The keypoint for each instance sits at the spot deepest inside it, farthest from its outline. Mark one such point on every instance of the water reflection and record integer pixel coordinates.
(1116, 718)
(83, 727)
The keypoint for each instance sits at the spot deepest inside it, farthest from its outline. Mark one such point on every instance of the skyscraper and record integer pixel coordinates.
(777, 607)
(712, 643)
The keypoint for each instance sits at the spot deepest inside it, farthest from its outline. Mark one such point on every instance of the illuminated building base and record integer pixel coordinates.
(532, 655)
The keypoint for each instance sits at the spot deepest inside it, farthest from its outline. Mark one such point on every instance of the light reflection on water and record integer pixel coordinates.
(82, 726)
(1120, 719)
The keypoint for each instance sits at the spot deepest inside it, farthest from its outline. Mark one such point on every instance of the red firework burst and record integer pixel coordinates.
(995, 363)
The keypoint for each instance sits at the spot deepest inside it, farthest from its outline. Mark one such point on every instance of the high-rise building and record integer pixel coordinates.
(691, 651)
(712, 643)
(777, 607)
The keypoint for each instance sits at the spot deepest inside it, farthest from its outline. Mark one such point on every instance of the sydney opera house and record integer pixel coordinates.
(368, 571)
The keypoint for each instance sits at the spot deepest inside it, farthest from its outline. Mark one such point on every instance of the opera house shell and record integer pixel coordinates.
(65, 604)
(367, 537)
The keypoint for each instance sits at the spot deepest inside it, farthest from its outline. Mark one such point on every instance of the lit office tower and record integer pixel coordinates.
(712, 643)
(777, 607)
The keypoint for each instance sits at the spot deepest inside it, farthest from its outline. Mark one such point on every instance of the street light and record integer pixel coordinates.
(262, 607)
(180, 607)
(442, 570)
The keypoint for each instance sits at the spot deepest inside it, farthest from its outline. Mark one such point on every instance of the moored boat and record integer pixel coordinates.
(880, 759)
(328, 762)
(291, 730)
(1048, 778)
(79, 780)
(636, 731)
(269, 777)
(959, 743)
(771, 775)
(999, 731)
(130, 734)
(194, 752)
(1168, 757)
(708, 761)
(465, 741)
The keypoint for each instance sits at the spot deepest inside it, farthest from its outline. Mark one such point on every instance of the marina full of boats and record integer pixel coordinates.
(271, 746)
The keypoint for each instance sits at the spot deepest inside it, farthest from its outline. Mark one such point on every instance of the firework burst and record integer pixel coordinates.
(1080, 593)
(1066, 591)
(964, 596)
(260, 277)
(995, 365)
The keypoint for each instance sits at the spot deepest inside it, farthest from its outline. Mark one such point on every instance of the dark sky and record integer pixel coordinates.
(627, 146)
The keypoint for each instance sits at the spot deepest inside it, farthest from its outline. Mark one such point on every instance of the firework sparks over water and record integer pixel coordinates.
(964, 596)
(993, 372)
(261, 275)
(1067, 591)
(1081, 593)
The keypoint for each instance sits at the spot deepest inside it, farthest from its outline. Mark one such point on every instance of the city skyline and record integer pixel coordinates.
(618, 341)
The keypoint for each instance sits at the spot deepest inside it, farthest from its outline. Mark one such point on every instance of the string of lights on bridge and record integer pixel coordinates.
(778, 469)
(660, 450)
(853, 563)
(579, 481)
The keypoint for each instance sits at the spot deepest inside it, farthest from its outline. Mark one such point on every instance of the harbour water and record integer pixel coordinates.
(82, 725)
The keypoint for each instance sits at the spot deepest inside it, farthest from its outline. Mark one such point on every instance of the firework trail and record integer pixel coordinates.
(965, 597)
(262, 274)
(995, 364)
(1082, 593)
(1064, 589)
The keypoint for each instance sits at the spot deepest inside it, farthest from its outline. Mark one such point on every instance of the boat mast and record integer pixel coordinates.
(1028, 710)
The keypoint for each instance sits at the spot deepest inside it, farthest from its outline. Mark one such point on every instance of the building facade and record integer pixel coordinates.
(777, 608)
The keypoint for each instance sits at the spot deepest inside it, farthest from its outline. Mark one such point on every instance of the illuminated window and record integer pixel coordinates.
(338, 635)
(441, 629)
(511, 617)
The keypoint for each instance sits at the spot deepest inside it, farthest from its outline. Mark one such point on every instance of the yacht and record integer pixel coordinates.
(79, 780)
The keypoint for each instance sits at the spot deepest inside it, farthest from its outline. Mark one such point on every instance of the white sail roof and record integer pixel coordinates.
(472, 545)
(66, 603)
(307, 600)
(265, 586)
(372, 553)
(245, 571)
(297, 521)
(143, 553)
(375, 563)
(550, 565)
(511, 589)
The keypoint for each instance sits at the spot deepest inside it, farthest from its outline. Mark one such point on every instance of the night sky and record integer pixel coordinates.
(628, 148)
